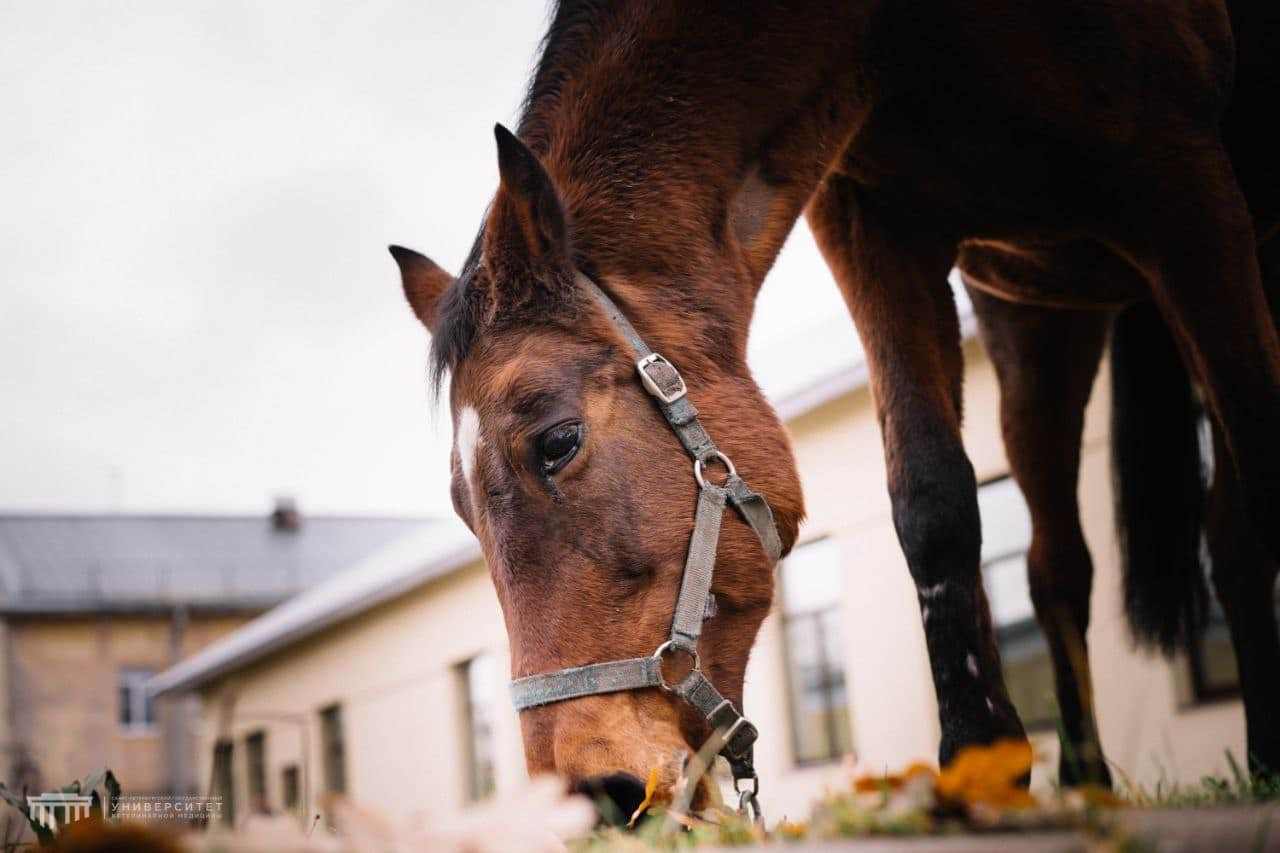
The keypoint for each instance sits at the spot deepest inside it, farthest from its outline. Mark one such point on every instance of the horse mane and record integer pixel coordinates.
(575, 26)
(458, 319)
(576, 29)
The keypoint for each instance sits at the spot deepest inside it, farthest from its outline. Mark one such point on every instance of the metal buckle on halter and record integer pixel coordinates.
(737, 721)
(738, 732)
(651, 385)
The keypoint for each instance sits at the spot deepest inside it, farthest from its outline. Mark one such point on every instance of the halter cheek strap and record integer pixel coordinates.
(664, 382)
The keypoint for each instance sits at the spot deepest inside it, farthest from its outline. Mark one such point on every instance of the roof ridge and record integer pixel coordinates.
(39, 515)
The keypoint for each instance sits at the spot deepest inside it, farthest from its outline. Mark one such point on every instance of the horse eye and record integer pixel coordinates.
(558, 445)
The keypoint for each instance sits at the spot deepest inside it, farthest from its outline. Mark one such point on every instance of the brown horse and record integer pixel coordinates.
(665, 151)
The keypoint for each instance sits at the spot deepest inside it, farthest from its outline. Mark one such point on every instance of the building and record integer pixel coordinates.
(388, 683)
(92, 607)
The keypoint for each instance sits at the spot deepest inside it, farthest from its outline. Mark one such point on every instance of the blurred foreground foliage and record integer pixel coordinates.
(94, 786)
(978, 796)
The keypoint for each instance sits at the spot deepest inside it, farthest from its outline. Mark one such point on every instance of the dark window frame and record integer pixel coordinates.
(1202, 691)
(333, 749)
(827, 684)
(1026, 630)
(136, 712)
(223, 781)
(291, 787)
(255, 756)
(481, 782)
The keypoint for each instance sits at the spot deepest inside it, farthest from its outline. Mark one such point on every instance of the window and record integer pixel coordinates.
(222, 783)
(477, 679)
(1212, 659)
(333, 749)
(814, 649)
(289, 788)
(137, 706)
(255, 753)
(1006, 536)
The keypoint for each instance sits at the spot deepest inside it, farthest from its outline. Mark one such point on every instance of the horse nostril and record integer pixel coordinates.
(616, 796)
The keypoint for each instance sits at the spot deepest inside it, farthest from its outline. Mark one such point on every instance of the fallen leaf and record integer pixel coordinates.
(791, 831)
(649, 788)
(988, 774)
(870, 784)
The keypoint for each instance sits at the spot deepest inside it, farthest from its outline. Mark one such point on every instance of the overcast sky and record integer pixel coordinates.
(197, 311)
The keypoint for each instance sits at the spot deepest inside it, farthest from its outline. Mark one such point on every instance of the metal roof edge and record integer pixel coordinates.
(847, 378)
(386, 575)
(56, 609)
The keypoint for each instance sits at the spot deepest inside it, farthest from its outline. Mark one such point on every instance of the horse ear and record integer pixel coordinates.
(424, 283)
(532, 199)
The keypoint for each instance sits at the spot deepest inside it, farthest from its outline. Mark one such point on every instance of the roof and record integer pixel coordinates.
(426, 555)
(827, 361)
(68, 564)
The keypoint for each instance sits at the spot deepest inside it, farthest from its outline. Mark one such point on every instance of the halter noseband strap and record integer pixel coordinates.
(664, 382)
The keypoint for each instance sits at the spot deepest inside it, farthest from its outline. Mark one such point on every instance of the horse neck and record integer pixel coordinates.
(685, 146)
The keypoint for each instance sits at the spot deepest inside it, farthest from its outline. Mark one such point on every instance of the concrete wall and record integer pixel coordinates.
(393, 668)
(62, 702)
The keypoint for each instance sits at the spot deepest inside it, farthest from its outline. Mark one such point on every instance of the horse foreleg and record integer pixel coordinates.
(1046, 360)
(897, 292)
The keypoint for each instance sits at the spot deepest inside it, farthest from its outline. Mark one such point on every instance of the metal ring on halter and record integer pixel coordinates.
(713, 455)
(668, 646)
(748, 804)
(755, 785)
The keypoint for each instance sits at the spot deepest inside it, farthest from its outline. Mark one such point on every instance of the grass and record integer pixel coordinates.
(1240, 789)
(978, 793)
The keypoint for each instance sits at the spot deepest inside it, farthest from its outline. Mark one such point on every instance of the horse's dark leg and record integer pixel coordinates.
(1046, 359)
(1187, 227)
(896, 289)
(1244, 577)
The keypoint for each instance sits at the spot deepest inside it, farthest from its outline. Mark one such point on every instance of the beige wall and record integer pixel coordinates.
(393, 672)
(392, 668)
(62, 695)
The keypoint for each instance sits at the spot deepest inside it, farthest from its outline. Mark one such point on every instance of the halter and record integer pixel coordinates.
(695, 603)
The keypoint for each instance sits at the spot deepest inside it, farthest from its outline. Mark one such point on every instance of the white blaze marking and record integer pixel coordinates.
(972, 663)
(990, 707)
(468, 440)
(927, 592)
